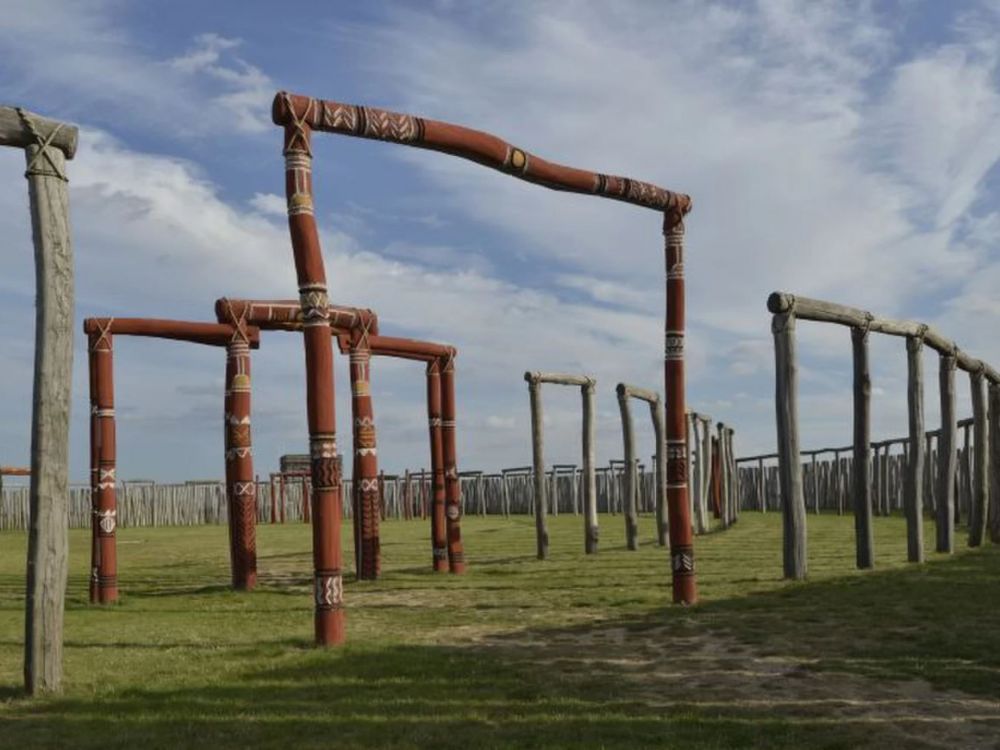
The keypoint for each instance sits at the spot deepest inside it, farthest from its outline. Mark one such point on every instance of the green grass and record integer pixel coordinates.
(575, 651)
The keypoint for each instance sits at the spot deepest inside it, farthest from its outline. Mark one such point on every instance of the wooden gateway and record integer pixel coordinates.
(299, 116)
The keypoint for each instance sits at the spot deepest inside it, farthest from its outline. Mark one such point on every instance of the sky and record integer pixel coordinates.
(845, 150)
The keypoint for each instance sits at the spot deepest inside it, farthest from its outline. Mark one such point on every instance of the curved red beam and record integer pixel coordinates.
(483, 148)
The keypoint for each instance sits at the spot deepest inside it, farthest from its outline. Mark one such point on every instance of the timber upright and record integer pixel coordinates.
(328, 583)
(685, 589)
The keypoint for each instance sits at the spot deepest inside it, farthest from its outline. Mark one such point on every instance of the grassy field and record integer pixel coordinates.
(574, 652)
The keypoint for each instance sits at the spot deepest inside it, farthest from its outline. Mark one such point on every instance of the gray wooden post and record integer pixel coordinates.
(914, 487)
(761, 497)
(980, 463)
(993, 518)
(590, 528)
(538, 461)
(628, 437)
(47, 145)
(793, 508)
(947, 457)
(864, 542)
(706, 470)
(660, 459)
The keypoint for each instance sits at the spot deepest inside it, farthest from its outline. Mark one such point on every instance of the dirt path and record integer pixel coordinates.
(710, 674)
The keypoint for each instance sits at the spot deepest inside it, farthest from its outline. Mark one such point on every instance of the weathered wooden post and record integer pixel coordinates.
(538, 459)
(660, 459)
(590, 530)
(47, 145)
(761, 494)
(914, 487)
(706, 471)
(980, 464)
(628, 437)
(328, 587)
(863, 535)
(993, 519)
(793, 509)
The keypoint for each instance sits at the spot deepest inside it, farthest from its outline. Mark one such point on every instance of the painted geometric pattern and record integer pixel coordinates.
(634, 191)
(326, 473)
(106, 520)
(453, 512)
(339, 117)
(106, 478)
(677, 472)
(390, 126)
(682, 560)
(329, 590)
(674, 346)
(300, 201)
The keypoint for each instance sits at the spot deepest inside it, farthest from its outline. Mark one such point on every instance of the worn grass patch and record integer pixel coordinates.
(575, 651)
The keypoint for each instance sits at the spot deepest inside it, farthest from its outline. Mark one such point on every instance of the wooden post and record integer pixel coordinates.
(993, 518)
(660, 458)
(439, 534)
(590, 527)
(864, 540)
(365, 479)
(453, 486)
(328, 586)
(980, 463)
(706, 472)
(914, 487)
(106, 507)
(239, 456)
(793, 509)
(628, 437)
(47, 145)
(684, 583)
(724, 484)
(95, 442)
(761, 496)
(538, 461)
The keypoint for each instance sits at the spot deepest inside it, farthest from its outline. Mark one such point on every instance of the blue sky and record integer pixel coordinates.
(840, 150)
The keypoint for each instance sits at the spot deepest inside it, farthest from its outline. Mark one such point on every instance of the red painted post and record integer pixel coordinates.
(106, 513)
(284, 496)
(366, 510)
(328, 590)
(453, 487)
(439, 535)
(685, 589)
(95, 552)
(239, 457)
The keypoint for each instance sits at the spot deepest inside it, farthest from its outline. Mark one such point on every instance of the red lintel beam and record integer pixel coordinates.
(15, 471)
(286, 315)
(210, 334)
(392, 346)
(484, 148)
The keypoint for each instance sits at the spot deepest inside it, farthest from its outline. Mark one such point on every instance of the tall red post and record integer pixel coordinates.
(328, 589)
(439, 536)
(95, 441)
(239, 461)
(453, 487)
(366, 510)
(106, 513)
(685, 589)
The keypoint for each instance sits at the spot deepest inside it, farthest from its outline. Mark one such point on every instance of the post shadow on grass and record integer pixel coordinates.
(400, 696)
